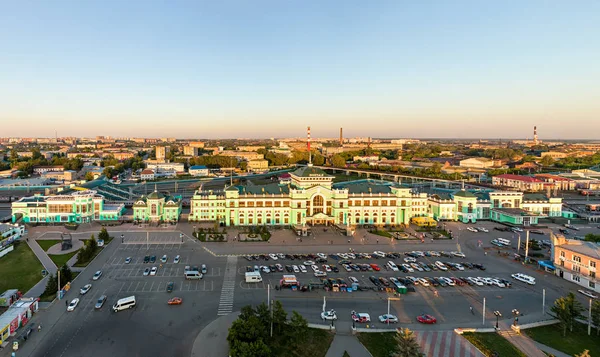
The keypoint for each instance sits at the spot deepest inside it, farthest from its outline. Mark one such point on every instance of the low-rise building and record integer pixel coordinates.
(258, 165)
(198, 170)
(371, 158)
(554, 154)
(524, 183)
(77, 207)
(576, 261)
(478, 163)
(165, 169)
(191, 151)
(9, 233)
(147, 174)
(16, 316)
(156, 207)
(558, 182)
(52, 168)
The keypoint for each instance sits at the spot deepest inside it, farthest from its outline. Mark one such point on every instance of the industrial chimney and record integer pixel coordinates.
(535, 137)
(341, 137)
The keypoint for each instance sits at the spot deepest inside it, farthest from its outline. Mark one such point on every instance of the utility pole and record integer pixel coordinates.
(590, 319)
(58, 277)
(271, 319)
(483, 322)
(544, 302)
(526, 246)
(147, 240)
(519, 245)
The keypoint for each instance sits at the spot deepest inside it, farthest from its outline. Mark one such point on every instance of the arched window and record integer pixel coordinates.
(317, 203)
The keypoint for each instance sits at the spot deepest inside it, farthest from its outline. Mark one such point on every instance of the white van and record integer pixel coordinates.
(253, 277)
(124, 303)
(524, 278)
(193, 275)
(503, 241)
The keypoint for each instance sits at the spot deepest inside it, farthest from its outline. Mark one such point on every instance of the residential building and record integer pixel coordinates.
(197, 144)
(191, 151)
(161, 152)
(67, 175)
(258, 165)
(241, 155)
(156, 207)
(577, 261)
(478, 163)
(9, 233)
(250, 147)
(558, 182)
(77, 207)
(43, 169)
(523, 183)
(122, 155)
(372, 158)
(147, 174)
(554, 154)
(198, 170)
(165, 169)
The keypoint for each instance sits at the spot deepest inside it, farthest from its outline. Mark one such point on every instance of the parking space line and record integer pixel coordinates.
(159, 286)
(196, 287)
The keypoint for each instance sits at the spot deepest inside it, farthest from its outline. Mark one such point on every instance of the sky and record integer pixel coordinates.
(231, 69)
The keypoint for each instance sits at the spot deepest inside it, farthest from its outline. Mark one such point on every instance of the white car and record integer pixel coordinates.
(459, 267)
(448, 281)
(388, 319)
(475, 281)
(410, 260)
(97, 275)
(408, 268)
(587, 293)
(498, 283)
(441, 266)
(73, 304)
(85, 289)
(416, 266)
(281, 255)
(418, 252)
(309, 263)
(351, 256)
(273, 256)
(153, 271)
(353, 280)
(320, 274)
(343, 255)
(423, 282)
(303, 268)
(378, 253)
(146, 271)
(329, 315)
(327, 268)
(314, 268)
(471, 229)
(128, 260)
(163, 259)
(321, 255)
(176, 260)
(485, 230)
(459, 254)
(433, 253)
(347, 267)
(265, 269)
(295, 268)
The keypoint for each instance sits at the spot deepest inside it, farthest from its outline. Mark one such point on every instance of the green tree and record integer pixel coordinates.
(89, 176)
(251, 349)
(103, 235)
(108, 172)
(279, 317)
(51, 285)
(364, 166)
(338, 161)
(318, 159)
(66, 274)
(92, 243)
(547, 160)
(407, 345)
(299, 325)
(567, 309)
(596, 316)
(590, 237)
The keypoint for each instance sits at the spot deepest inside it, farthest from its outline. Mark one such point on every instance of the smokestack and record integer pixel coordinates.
(535, 137)
(341, 137)
(308, 145)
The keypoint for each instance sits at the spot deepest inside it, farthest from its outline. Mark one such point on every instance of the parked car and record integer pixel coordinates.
(128, 260)
(176, 260)
(388, 319)
(147, 259)
(163, 259)
(153, 259)
(360, 317)
(97, 275)
(329, 315)
(73, 304)
(153, 271)
(146, 271)
(100, 302)
(426, 319)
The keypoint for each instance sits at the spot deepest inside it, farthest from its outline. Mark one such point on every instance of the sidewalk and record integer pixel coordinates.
(212, 340)
(523, 343)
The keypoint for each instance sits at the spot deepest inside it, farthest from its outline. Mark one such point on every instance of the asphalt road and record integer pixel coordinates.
(154, 328)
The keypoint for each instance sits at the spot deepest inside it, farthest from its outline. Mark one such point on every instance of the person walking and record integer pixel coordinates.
(471, 307)
(39, 328)
(436, 294)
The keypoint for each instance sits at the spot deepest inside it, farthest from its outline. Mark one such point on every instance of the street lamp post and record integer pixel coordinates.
(515, 313)
(388, 308)
(122, 238)
(181, 236)
(498, 315)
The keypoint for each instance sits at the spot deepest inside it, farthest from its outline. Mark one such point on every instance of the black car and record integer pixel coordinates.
(441, 282)
(335, 269)
(432, 281)
(248, 257)
(502, 229)
(444, 254)
(334, 256)
(289, 268)
(146, 259)
(468, 265)
(153, 259)
(321, 260)
(384, 281)
(249, 269)
(170, 286)
(479, 266)
(374, 281)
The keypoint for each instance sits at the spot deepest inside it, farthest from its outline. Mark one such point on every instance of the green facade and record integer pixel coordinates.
(157, 207)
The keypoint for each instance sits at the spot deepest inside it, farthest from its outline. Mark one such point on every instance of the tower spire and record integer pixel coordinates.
(308, 146)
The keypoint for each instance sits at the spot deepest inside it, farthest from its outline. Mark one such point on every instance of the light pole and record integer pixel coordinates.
(181, 236)
(388, 308)
(483, 320)
(543, 301)
(498, 316)
(122, 238)
(515, 313)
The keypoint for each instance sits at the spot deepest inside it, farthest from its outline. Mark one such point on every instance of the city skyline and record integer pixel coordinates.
(227, 70)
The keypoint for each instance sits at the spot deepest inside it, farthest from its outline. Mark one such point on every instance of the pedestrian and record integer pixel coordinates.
(39, 328)
(471, 307)
(485, 253)
(67, 303)
(435, 293)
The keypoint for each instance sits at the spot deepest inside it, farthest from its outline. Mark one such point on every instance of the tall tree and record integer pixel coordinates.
(567, 309)
(66, 274)
(596, 316)
(338, 161)
(51, 285)
(407, 345)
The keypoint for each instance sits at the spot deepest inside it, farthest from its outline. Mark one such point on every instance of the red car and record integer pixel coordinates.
(426, 319)
(175, 301)
(375, 267)
(458, 281)
(360, 317)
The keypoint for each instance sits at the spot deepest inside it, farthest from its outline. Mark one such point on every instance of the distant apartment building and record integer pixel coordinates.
(371, 158)
(577, 261)
(241, 155)
(191, 151)
(165, 169)
(161, 152)
(51, 168)
(72, 155)
(250, 147)
(258, 165)
(198, 170)
(66, 175)
(554, 154)
(558, 182)
(122, 155)
(523, 183)
(478, 163)
(196, 144)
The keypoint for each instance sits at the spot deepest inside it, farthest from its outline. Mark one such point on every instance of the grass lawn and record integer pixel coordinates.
(46, 244)
(380, 344)
(61, 259)
(49, 298)
(20, 269)
(574, 343)
(317, 344)
(382, 233)
(490, 342)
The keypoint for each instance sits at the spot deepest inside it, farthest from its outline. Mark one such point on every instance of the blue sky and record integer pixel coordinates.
(211, 69)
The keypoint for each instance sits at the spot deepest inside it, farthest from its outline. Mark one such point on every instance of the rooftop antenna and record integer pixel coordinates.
(463, 184)
(308, 146)
(155, 190)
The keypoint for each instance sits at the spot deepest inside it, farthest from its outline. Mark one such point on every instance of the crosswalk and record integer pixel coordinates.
(445, 344)
(228, 289)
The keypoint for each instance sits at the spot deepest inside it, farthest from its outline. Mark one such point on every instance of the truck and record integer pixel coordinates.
(253, 277)
(289, 281)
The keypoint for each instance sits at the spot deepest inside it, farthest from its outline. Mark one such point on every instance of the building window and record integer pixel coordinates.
(562, 253)
(577, 258)
(592, 274)
(341, 204)
(592, 263)
(591, 284)
(576, 268)
(575, 278)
